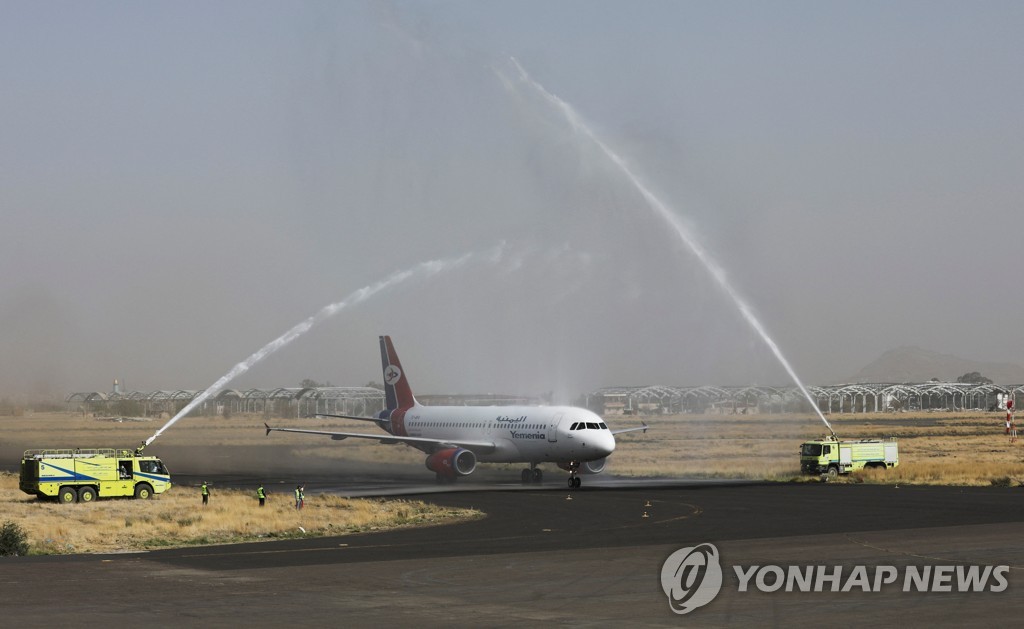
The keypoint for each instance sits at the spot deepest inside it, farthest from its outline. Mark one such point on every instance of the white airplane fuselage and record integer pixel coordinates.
(520, 434)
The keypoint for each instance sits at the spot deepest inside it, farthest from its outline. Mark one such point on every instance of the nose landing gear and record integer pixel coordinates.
(574, 480)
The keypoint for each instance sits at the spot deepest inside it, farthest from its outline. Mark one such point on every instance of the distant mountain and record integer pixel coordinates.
(913, 364)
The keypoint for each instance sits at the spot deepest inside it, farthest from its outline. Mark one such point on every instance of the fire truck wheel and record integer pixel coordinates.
(67, 495)
(86, 494)
(833, 472)
(143, 491)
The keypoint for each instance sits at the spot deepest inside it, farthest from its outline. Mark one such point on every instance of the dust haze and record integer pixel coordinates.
(181, 183)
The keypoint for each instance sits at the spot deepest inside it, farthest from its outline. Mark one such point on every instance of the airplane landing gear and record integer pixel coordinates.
(574, 481)
(532, 475)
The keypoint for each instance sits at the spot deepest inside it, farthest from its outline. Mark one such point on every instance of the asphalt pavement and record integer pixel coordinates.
(588, 558)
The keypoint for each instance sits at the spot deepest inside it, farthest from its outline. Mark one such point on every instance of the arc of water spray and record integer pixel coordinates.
(421, 270)
(673, 220)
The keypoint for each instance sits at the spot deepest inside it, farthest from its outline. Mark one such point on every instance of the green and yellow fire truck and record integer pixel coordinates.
(833, 457)
(83, 475)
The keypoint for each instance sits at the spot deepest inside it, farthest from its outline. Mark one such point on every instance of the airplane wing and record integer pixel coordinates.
(483, 447)
(643, 428)
(362, 419)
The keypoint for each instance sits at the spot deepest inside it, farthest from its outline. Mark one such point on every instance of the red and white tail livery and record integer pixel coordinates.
(456, 438)
(396, 388)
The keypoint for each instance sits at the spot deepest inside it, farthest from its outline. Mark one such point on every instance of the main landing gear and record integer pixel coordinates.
(532, 475)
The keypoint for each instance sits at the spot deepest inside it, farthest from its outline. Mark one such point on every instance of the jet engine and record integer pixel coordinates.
(585, 467)
(452, 462)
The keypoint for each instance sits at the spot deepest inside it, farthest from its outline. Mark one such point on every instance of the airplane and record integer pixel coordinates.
(455, 438)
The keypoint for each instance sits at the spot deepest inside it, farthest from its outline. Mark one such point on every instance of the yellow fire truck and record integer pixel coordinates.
(833, 457)
(83, 475)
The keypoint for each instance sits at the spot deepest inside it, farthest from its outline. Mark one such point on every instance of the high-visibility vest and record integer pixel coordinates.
(298, 494)
(260, 494)
(206, 492)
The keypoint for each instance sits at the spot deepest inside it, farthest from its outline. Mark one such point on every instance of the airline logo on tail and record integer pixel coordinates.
(392, 374)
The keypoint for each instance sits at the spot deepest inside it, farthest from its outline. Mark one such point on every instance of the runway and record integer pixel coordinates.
(538, 556)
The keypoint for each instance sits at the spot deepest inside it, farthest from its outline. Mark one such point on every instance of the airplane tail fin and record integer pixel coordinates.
(396, 386)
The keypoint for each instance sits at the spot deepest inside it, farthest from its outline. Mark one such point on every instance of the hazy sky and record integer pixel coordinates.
(182, 182)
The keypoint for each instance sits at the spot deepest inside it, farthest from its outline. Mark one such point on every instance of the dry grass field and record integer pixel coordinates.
(176, 518)
(938, 448)
(935, 448)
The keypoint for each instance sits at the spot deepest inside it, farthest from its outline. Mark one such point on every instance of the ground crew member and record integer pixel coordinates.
(262, 495)
(299, 497)
(206, 493)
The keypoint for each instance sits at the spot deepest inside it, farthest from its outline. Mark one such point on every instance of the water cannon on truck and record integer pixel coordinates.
(832, 457)
(83, 475)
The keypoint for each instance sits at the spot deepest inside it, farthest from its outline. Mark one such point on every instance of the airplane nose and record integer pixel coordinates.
(605, 445)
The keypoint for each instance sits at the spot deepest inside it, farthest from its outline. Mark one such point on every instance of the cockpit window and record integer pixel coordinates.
(574, 424)
(593, 426)
(810, 449)
(604, 426)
